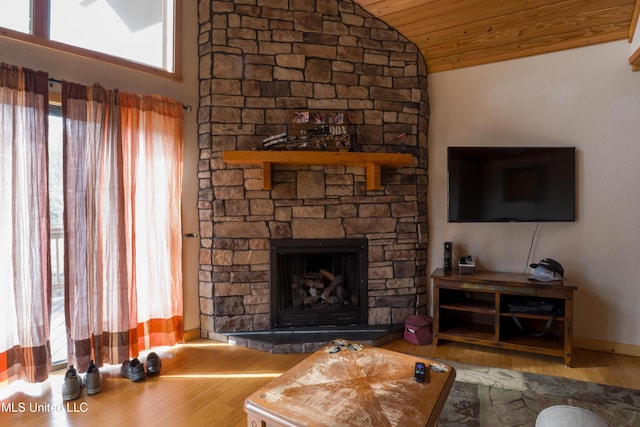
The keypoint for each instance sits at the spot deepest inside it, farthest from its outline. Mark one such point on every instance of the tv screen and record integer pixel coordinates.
(521, 184)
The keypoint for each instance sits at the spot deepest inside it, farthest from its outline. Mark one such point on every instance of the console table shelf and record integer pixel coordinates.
(473, 308)
(372, 162)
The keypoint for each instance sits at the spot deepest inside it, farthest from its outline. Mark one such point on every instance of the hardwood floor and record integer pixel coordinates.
(205, 383)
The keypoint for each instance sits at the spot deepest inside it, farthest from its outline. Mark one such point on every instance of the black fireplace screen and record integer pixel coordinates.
(318, 282)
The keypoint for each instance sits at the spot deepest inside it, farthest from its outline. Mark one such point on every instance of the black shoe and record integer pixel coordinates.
(153, 364)
(133, 369)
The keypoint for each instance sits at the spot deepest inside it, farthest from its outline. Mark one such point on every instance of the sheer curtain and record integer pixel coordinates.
(152, 136)
(25, 269)
(123, 180)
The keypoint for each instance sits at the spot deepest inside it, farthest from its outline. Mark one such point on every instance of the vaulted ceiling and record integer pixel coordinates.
(460, 33)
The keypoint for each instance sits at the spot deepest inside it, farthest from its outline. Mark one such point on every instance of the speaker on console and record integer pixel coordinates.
(448, 255)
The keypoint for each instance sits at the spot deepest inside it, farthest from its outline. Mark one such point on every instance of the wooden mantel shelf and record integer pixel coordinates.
(372, 162)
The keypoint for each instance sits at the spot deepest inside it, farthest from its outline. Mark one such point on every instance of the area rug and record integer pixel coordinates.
(495, 397)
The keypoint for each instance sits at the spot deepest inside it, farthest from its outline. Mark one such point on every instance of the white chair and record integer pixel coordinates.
(568, 416)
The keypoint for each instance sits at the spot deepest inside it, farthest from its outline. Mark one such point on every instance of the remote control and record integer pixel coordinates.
(420, 372)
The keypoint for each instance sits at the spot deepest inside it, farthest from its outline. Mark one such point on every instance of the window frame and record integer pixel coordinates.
(40, 37)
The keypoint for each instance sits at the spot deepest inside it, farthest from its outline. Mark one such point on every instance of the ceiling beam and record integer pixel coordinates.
(634, 20)
(634, 60)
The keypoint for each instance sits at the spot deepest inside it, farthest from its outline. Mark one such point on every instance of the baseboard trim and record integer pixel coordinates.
(191, 334)
(607, 346)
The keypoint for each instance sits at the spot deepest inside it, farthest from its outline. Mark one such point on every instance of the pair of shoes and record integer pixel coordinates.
(153, 364)
(133, 369)
(93, 379)
(72, 384)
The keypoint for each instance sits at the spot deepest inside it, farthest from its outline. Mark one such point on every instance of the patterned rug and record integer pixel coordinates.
(494, 397)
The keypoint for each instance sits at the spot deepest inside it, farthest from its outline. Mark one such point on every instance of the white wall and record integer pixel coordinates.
(588, 98)
(73, 68)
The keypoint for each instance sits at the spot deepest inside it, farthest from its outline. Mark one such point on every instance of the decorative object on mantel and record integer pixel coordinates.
(313, 130)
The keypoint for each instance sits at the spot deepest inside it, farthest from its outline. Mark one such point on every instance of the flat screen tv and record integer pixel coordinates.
(512, 184)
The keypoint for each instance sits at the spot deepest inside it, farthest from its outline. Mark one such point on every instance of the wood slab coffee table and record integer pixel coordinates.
(354, 386)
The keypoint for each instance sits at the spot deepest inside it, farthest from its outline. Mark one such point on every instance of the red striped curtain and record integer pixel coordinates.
(25, 272)
(123, 253)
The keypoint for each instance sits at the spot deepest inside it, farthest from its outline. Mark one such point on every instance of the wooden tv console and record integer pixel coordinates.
(474, 308)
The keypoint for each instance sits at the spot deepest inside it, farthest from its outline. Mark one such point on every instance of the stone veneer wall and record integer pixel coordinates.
(259, 61)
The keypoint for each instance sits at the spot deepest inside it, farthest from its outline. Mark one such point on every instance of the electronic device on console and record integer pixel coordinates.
(448, 256)
(466, 265)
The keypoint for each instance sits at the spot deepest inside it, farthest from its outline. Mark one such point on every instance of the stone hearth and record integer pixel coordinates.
(259, 61)
(308, 340)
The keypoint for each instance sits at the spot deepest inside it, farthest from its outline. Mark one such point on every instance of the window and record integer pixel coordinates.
(58, 329)
(142, 32)
(16, 15)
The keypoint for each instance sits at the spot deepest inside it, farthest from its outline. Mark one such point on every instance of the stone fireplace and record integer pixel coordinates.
(259, 61)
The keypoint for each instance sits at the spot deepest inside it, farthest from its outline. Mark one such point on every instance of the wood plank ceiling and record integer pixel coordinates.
(460, 33)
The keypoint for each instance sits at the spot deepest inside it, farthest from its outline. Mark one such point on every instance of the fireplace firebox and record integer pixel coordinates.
(318, 282)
